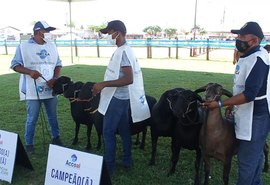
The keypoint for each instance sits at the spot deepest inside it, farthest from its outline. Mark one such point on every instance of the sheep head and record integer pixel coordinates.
(213, 91)
(184, 103)
(61, 84)
(73, 90)
(86, 93)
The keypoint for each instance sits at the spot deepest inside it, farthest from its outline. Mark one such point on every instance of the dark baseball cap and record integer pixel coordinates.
(250, 28)
(42, 25)
(115, 25)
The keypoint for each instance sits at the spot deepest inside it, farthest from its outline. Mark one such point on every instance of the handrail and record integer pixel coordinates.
(140, 43)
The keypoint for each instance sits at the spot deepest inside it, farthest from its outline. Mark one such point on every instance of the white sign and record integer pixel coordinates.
(8, 147)
(67, 166)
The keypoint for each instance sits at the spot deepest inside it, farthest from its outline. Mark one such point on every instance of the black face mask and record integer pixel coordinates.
(241, 46)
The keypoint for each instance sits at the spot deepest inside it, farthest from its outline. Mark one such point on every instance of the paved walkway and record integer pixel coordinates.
(174, 64)
(187, 64)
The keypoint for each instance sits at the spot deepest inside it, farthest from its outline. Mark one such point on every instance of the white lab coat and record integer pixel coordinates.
(138, 104)
(244, 112)
(42, 58)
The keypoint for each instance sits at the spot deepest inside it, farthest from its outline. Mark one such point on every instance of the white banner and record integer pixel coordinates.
(67, 166)
(8, 147)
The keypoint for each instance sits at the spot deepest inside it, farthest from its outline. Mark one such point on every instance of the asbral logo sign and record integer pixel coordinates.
(43, 54)
(73, 162)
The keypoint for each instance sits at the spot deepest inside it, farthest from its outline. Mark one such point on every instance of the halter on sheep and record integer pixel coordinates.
(136, 128)
(217, 136)
(176, 115)
(79, 112)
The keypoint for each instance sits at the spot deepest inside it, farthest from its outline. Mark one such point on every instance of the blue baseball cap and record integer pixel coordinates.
(250, 28)
(115, 25)
(42, 25)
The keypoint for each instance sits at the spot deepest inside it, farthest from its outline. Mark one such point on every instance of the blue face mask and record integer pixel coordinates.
(241, 46)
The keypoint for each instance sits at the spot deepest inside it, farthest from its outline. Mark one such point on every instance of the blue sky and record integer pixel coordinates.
(212, 15)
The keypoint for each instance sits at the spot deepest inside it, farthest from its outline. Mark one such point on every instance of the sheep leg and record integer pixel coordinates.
(175, 147)
(137, 139)
(89, 129)
(206, 170)
(99, 141)
(154, 139)
(197, 166)
(226, 171)
(98, 124)
(77, 128)
(266, 151)
(143, 138)
(201, 165)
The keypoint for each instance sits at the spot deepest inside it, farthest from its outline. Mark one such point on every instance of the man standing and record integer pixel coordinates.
(267, 47)
(122, 88)
(251, 103)
(38, 62)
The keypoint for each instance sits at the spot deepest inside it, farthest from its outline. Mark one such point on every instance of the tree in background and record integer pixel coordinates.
(197, 30)
(96, 28)
(170, 32)
(153, 31)
(72, 25)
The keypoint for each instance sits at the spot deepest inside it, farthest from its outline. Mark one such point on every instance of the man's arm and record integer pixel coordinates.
(125, 80)
(21, 69)
(56, 74)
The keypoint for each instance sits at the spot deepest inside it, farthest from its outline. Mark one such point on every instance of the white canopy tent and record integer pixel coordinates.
(70, 21)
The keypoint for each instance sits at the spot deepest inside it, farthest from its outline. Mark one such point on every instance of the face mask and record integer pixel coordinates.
(111, 40)
(241, 46)
(47, 37)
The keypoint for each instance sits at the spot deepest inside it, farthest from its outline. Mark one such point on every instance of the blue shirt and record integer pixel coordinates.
(17, 59)
(123, 92)
(256, 84)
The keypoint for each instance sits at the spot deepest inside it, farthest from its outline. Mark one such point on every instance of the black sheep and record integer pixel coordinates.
(176, 115)
(79, 112)
(136, 128)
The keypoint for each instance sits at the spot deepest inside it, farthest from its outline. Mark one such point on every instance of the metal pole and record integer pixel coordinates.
(193, 52)
(70, 30)
(195, 19)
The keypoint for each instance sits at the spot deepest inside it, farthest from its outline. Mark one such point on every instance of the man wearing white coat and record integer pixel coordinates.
(122, 88)
(39, 64)
(250, 103)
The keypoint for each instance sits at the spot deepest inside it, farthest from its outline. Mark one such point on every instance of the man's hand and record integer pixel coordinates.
(51, 82)
(228, 111)
(209, 104)
(97, 88)
(34, 74)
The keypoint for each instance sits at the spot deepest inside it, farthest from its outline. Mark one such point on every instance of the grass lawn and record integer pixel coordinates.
(12, 118)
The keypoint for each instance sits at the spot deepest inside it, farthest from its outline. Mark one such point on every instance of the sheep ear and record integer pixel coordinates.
(226, 93)
(64, 79)
(198, 97)
(172, 92)
(201, 89)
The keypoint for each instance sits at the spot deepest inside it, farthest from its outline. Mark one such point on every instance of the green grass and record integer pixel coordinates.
(12, 118)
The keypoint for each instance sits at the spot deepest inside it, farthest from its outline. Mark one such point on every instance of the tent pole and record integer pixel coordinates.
(70, 30)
